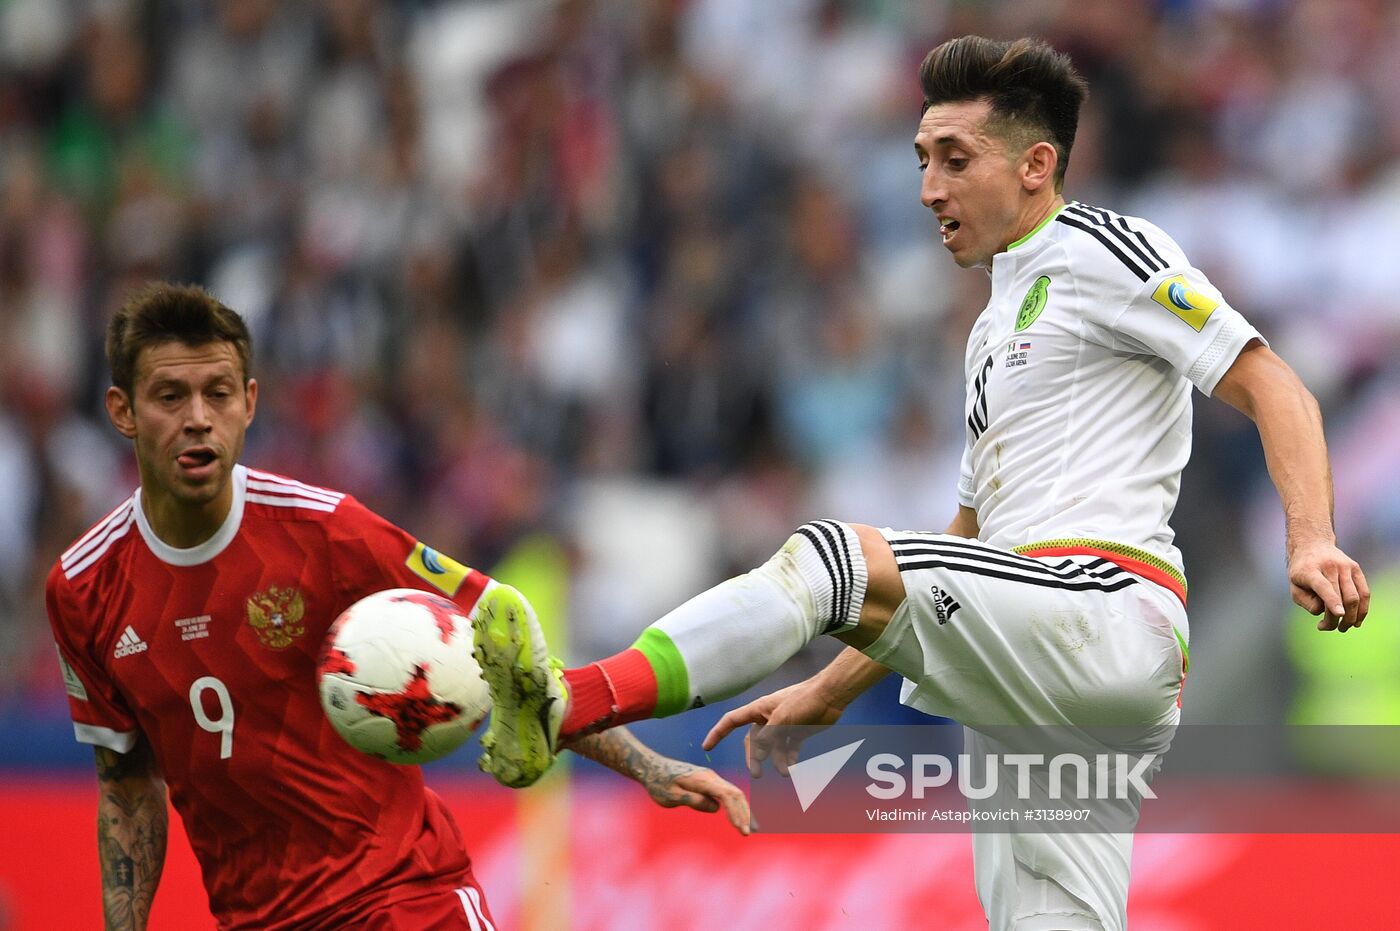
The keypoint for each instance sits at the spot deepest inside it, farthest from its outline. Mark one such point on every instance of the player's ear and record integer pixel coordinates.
(1038, 166)
(251, 395)
(119, 411)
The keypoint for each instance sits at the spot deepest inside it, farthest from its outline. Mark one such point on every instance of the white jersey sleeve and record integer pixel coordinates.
(1174, 313)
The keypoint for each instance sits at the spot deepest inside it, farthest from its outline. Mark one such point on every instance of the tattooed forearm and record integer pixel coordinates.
(669, 782)
(131, 833)
(620, 750)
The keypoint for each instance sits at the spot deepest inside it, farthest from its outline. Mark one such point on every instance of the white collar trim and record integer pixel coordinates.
(197, 555)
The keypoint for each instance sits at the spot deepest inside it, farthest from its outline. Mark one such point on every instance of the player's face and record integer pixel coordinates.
(188, 414)
(970, 181)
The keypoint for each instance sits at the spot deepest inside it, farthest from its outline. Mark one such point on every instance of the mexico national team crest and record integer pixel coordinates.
(1033, 303)
(276, 616)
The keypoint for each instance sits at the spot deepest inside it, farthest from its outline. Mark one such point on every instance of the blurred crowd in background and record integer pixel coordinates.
(647, 282)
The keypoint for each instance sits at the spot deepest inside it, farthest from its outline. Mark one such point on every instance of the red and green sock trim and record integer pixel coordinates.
(647, 680)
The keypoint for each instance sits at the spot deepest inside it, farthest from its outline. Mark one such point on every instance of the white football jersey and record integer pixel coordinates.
(1079, 375)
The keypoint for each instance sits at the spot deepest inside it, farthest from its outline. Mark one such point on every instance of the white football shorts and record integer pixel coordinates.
(987, 636)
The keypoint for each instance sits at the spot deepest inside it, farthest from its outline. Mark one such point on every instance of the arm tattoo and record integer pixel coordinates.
(131, 834)
(620, 750)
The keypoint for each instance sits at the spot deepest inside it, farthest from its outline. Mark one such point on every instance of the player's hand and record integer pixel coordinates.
(1327, 581)
(677, 783)
(772, 716)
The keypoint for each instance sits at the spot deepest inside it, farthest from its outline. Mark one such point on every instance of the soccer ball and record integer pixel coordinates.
(397, 676)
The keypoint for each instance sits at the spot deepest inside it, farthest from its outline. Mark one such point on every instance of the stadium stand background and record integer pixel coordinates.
(559, 286)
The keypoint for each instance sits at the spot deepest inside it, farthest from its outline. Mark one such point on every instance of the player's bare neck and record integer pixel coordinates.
(1036, 211)
(184, 524)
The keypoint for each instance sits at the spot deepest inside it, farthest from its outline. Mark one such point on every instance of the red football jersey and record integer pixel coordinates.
(211, 653)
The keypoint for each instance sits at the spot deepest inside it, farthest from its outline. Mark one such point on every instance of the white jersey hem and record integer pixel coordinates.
(119, 741)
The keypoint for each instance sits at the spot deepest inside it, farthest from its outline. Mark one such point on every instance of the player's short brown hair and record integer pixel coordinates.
(1034, 92)
(162, 313)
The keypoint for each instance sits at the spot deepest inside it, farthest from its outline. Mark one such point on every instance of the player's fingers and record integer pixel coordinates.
(786, 756)
(732, 720)
(1330, 591)
(717, 733)
(716, 792)
(1325, 588)
(706, 782)
(1363, 592)
(699, 802)
(1306, 599)
(691, 800)
(736, 809)
(1311, 604)
(761, 741)
(791, 751)
(1351, 599)
(780, 762)
(756, 749)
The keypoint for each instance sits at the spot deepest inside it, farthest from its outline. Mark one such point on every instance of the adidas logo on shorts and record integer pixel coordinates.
(945, 604)
(130, 644)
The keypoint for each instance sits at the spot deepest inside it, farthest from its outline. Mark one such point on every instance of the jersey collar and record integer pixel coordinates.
(197, 555)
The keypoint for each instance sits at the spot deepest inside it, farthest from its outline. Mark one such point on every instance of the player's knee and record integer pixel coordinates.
(825, 559)
(852, 574)
(1134, 694)
(884, 591)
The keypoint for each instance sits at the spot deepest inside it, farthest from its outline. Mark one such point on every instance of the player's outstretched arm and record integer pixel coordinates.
(131, 833)
(669, 782)
(1324, 580)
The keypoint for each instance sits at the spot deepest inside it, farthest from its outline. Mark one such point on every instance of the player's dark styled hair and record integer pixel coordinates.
(1034, 92)
(163, 313)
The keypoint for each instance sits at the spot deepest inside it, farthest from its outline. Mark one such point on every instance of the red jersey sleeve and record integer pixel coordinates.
(100, 714)
(370, 554)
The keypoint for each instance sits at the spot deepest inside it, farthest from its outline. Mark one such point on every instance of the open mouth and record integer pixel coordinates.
(197, 458)
(948, 228)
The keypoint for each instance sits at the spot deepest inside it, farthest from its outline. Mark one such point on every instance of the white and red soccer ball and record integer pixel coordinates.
(397, 676)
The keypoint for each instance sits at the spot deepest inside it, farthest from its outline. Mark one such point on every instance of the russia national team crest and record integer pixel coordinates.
(276, 616)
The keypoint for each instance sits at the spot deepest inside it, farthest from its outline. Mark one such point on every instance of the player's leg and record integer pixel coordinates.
(1053, 882)
(1039, 877)
(829, 578)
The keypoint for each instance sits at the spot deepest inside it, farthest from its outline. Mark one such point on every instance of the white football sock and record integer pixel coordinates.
(735, 634)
